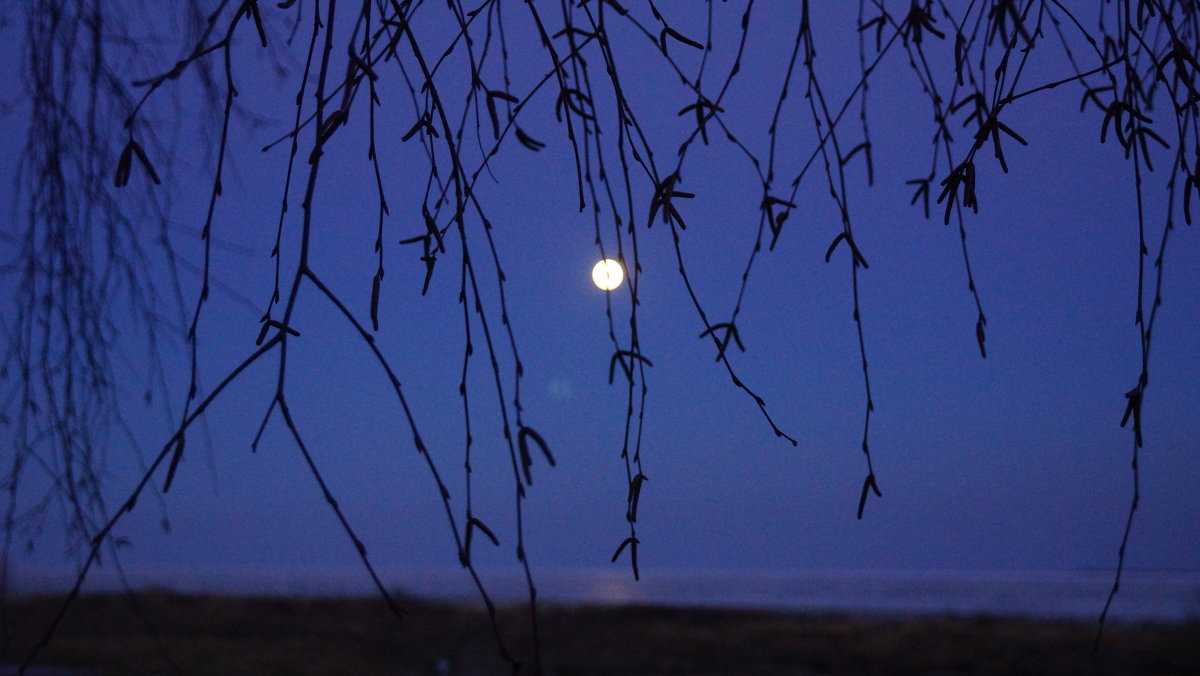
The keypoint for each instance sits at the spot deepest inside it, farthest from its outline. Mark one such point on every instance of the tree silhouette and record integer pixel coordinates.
(116, 90)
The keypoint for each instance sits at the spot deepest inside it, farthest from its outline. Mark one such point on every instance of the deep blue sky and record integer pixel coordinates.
(1013, 462)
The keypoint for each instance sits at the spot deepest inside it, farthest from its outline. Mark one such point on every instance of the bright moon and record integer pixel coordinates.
(607, 274)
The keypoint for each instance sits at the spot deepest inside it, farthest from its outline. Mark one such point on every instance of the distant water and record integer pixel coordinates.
(1144, 596)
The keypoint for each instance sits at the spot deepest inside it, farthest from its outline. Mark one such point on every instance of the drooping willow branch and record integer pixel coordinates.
(468, 98)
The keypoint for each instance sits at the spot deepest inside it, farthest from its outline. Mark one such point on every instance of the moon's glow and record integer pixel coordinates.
(608, 274)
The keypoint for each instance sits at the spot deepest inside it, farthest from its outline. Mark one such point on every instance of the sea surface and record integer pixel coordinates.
(1154, 596)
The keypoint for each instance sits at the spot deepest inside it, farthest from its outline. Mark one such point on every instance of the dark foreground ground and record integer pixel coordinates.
(226, 635)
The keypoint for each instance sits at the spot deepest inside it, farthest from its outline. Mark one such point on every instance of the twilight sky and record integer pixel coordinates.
(1016, 461)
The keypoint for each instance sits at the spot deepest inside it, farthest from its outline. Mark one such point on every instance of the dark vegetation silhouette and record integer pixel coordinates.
(92, 256)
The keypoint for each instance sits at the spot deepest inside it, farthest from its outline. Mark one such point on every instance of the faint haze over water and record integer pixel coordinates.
(1150, 596)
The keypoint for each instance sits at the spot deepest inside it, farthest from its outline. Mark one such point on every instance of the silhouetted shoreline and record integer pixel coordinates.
(1146, 596)
(212, 634)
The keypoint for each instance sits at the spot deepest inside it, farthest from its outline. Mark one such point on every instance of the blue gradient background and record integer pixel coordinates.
(1013, 462)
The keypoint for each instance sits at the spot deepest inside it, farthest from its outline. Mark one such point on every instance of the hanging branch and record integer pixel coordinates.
(457, 101)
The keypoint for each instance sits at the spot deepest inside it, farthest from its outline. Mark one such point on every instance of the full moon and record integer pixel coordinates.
(608, 274)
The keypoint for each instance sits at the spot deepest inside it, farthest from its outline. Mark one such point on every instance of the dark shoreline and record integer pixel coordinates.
(211, 634)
